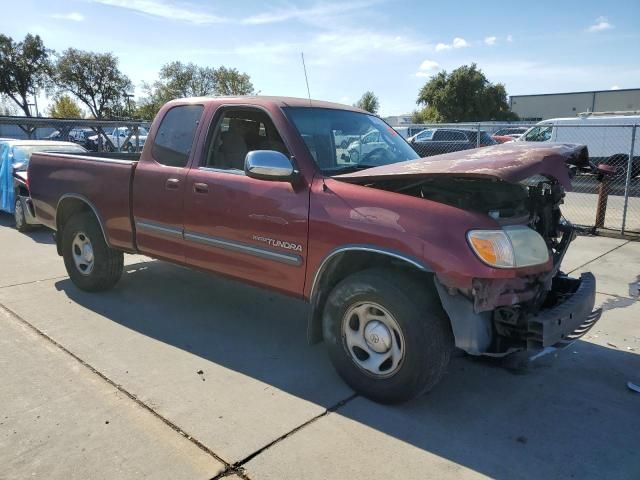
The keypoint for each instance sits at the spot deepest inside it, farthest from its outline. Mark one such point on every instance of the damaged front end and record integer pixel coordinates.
(537, 312)
(530, 305)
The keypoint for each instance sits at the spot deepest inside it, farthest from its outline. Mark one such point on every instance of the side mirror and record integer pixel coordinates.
(268, 165)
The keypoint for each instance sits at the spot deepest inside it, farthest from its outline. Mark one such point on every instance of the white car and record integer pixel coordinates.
(121, 139)
(367, 144)
(608, 137)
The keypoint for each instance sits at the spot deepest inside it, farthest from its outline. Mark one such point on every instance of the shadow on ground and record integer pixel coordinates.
(572, 417)
(37, 233)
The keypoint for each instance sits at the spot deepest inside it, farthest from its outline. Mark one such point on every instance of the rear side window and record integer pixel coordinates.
(449, 136)
(174, 139)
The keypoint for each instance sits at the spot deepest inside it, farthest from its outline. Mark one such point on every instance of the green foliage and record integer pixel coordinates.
(465, 95)
(64, 107)
(94, 79)
(425, 115)
(24, 66)
(178, 80)
(368, 102)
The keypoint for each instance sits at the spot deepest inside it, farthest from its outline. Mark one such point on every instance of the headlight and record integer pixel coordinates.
(513, 246)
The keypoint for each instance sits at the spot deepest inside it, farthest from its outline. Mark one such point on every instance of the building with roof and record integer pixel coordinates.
(569, 104)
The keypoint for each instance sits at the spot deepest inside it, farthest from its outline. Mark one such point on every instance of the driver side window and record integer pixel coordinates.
(238, 132)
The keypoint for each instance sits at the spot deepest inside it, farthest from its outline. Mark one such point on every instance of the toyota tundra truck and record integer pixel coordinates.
(401, 258)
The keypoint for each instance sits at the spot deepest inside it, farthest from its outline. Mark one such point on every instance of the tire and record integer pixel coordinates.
(20, 217)
(422, 334)
(102, 265)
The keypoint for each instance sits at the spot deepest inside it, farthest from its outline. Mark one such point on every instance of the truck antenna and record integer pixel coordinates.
(306, 79)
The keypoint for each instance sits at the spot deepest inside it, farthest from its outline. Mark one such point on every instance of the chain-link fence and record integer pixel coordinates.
(605, 196)
(94, 135)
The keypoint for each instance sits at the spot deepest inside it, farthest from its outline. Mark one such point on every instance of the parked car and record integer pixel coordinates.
(365, 146)
(437, 141)
(14, 185)
(124, 139)
(608, 138)
(408, 132)
(81, 135)
(508, 134)
(54, 136)
(399, 262)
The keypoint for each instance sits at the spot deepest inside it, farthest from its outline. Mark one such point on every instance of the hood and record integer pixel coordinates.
(511, 162)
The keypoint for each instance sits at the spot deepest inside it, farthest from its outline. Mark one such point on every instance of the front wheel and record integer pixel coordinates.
(387, 334)
(89, 261)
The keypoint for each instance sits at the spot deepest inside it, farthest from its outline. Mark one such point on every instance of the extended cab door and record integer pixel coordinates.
(250, 229)
(159, 184)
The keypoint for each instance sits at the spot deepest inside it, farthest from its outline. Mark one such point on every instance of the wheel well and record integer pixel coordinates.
(66, 209)
(340, 266)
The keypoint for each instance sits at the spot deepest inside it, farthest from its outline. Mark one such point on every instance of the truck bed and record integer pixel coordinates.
(100, 180)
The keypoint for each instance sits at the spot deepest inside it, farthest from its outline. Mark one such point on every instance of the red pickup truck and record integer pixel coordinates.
(400, 258)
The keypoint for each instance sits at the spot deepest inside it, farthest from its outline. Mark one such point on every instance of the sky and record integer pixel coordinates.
(389, 47)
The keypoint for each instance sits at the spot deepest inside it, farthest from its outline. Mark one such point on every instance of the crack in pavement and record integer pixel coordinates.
(33, 281)
(11, 314)
(341, 403)
(229, 469)
(600, 256)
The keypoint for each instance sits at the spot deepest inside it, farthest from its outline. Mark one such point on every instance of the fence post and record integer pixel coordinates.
(478, 137)
(628, 181)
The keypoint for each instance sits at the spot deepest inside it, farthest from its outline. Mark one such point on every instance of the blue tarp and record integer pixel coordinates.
(7, 195)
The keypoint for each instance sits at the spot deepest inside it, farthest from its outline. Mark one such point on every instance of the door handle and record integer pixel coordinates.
(200, 187)
(172, 183)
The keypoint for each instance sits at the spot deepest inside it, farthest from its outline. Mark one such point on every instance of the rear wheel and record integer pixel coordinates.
(387, 334)
(89, 261)
(20, 217)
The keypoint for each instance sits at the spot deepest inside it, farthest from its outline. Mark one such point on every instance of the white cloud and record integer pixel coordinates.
(429, 65)
(72, 16)
(295, 13)
(601, 25)
(163, 9)
(615, 87)
(427, 69)
(490, 40)
(509, 38)
(458, 42)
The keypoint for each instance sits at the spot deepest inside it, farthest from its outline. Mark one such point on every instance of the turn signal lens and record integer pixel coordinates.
(492, 247)
(513, 246)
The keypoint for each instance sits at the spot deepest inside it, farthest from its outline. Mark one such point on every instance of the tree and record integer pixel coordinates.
(94, 79)
(369, 102)
(177, 80)
(465, 95)
(229, 81)
(7, 107)
(24, 67)
(64, 107)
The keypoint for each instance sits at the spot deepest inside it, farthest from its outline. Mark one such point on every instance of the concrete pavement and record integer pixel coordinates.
(226, 364)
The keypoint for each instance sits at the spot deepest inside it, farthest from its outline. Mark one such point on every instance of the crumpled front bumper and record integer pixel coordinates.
(567, 316)
(560, 325)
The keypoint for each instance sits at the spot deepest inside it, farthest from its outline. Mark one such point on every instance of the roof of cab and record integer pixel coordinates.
(268, 101)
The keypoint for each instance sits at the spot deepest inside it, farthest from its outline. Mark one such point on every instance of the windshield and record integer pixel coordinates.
(537, 134)
(341, 140)
(22, 153)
